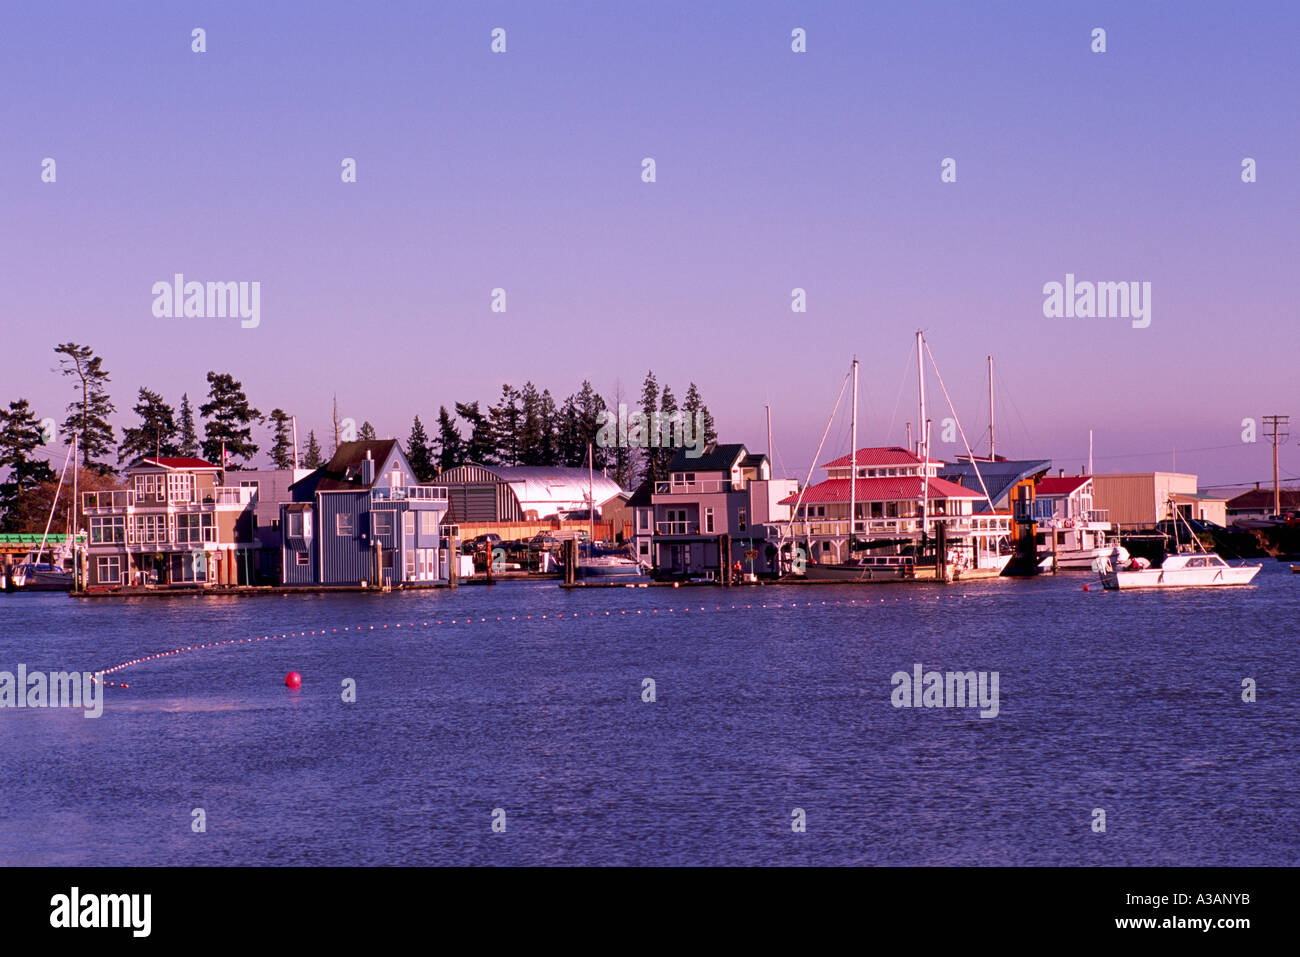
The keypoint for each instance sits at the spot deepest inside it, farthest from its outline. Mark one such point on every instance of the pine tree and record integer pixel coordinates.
(693, 404)
(282, 445)
(450, 445)
(549, 424)
(188, 442)
(366, 433)
(156, 434)
(312, 460)
(570, 446)
(88, 416)
(650, 470)
(505, 419)
(418, 452)
(481, 447)
(668, 430)
(590, 405)
(530, 425)
(20, 437)
(229, 420)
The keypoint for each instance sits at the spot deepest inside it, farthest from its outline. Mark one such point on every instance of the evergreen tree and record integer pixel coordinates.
(590, 405)
(649, 405)
(188, 441)
(549, 423)
(669, 432)
(88, 415)
(619, 458)
(481, 447)
(693, 404)
(312, 460)
(570, 447)
(20, 437)
(450, 445)
(156, 434)
(530, 425)
(506, 422)
(229, 420)
(366, 433)
(282, 445)
(418, 452)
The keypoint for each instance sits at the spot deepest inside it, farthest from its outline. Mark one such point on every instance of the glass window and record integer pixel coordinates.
(108, 570)
(428, 523)
(408, 523)
(708, 520)
(295, 524)
(343, 525)
(383, 523)
(300, 558)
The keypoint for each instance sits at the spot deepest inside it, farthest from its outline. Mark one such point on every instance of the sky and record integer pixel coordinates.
(775, 170)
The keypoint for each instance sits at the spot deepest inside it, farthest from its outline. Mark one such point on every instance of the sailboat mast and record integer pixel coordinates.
(853, 459)
(591, 500)
(923, 443)
(992, 454)
(920, 387)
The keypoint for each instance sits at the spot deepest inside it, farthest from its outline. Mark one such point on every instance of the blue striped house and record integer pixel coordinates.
(363, 518)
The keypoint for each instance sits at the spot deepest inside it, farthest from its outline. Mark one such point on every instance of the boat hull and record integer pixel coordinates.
(1180, 578)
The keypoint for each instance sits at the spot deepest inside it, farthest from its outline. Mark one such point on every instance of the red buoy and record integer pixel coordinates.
(293, 680)
(1086, 588)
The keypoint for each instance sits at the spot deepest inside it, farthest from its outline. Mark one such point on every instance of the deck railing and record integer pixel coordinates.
(418, 493)
(703, 486)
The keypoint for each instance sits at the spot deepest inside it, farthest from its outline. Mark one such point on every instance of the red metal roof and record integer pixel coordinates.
(878, 455)
(895, 488)
(181, 463)
(1060, 485)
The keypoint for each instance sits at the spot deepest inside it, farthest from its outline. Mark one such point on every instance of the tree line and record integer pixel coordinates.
(523, 426)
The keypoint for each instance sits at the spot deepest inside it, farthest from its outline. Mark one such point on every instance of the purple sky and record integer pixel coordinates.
(775, 170)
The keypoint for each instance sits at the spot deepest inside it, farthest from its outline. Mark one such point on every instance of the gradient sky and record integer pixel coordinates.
(775, 170)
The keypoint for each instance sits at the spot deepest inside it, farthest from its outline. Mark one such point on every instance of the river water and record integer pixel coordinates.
(766, 700)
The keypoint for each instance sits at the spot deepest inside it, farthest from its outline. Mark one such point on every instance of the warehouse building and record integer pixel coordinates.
(521, 493)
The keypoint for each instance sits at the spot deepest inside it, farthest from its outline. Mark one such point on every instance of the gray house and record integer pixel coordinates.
(363, 519)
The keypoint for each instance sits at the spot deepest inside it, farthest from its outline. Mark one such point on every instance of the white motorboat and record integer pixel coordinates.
(1188, 570)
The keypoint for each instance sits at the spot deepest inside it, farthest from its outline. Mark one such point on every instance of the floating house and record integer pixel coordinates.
(176, 523)
(711, 508)
(364, 520)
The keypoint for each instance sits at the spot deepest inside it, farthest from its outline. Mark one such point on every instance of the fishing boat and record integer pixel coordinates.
(1187, 570)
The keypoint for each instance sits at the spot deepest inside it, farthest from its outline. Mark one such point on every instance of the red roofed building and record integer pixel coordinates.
(897, 497)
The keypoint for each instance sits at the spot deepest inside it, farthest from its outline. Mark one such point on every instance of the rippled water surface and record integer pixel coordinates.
(1126, 702)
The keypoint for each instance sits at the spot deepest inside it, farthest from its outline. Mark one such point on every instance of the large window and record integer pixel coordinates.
(343, 525)
(109, 529)
(180, 487)
(149, 486)
(428, 523)
(108, 570)
(299, 525)
(149, 529)
(195, 529)
(383, 523)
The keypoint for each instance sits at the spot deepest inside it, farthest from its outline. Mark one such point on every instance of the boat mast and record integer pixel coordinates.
(853, 460)
(591, 502)
(54, 505)
(923, 444)
(992, 454)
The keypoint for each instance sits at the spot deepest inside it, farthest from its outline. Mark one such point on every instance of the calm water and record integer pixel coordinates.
(1126, 702)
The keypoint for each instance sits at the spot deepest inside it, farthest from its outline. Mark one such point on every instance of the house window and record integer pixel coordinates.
(408, 523)
(410, 565)
(708, 519)
(343, 525)
(108, 529)
(295, 525)
(300, 558)
(180, 487)
(428, 523)
(395, 479)
(383, 523)
(740, 520)
(108, 570)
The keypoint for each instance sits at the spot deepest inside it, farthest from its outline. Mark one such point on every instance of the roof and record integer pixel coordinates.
(712, 458)
(544, 483)
(893, 488)
(1262, 498)
(343, 471)
(752, 461)
(1061, 484)
(176, 462)
(878, 455)
(643, 496)
(999, 476)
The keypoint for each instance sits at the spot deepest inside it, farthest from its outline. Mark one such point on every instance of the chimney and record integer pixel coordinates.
(368, 470)
(1060, 473)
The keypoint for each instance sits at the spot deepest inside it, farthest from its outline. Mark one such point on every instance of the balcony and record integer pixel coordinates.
(106, 501)
(704, 486)
(410, 493)
(677, 528)
(1036, 510)
(898, 527)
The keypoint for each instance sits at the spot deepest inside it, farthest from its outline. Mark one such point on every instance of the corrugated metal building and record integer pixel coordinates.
(1140, 499)
(517, 493)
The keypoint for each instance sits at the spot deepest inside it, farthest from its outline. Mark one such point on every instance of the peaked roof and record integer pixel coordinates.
(343, 471)
(999, 476)
(873, 456)
(1061, 484)
(1262, 498)
(712, 458)
(175, 462)
(894, 488)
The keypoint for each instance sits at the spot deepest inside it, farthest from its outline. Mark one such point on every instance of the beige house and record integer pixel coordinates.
(1141, 499)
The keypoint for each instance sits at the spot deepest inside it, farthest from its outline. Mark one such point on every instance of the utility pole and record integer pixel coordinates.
(1280, 433)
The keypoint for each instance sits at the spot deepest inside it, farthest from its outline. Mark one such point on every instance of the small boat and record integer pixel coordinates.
(1295, 569)
(1187, 570)
(33, 576)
